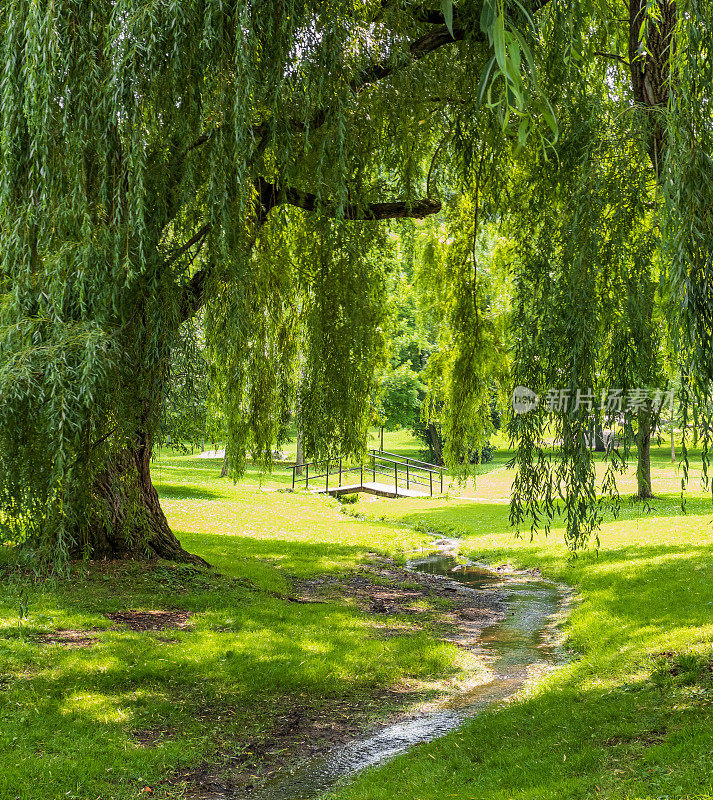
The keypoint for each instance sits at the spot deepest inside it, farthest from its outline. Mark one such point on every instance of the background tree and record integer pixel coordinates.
(606, 255)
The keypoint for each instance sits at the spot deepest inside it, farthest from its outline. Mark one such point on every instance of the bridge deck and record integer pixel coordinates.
(381, 489)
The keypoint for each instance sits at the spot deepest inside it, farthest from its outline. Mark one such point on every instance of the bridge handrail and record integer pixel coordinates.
(418, 473)
(403, 462)
(326, 474)
(425, 464)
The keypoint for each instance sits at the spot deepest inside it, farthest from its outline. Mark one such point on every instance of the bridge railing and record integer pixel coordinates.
(406, 473)
(313, 471)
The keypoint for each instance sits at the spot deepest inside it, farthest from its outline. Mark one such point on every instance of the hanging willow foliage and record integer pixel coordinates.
(584, 321)
(616, 230)
(688, 228)
(147, 149)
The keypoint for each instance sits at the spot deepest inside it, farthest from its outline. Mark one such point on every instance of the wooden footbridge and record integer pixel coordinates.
(382, 473)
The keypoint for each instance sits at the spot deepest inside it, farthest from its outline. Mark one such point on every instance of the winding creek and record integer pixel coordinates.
(517, 648)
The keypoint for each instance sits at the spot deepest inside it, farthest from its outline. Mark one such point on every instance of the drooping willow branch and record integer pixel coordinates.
(439, 36)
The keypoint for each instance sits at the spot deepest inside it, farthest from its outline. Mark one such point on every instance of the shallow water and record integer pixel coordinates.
(515, 648)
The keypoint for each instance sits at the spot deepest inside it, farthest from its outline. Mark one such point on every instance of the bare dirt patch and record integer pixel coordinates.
(151, 620)
(71, 638)
(298, 734)
(134, 620)
(152, 737)
(645, 739)
(457, 611)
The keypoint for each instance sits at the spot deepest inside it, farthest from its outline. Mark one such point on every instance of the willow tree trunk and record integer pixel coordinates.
(643, 466)
(299, 456)
(129, 521)
(435, 443)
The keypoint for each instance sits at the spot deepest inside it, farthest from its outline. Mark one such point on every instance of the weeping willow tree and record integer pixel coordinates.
(618, 214)
(161, 158)
(688, 228)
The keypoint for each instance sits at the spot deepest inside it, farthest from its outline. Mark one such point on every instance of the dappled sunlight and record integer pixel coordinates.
(251, 642)
(94, 707)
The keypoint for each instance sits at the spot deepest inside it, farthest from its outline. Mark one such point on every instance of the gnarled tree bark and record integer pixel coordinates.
(130, 522)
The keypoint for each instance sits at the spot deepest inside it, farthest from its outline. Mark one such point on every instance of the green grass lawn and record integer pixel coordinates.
(614, 723)
(73, 720)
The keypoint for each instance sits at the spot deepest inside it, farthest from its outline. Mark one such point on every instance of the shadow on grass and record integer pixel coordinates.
(563, 743)
(269, 562)
(249, 657)
(179, 491)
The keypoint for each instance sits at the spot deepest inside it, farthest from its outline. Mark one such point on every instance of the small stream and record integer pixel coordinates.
(518, 647)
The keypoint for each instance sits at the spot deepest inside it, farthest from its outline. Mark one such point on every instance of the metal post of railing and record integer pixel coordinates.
(326, 478)
(441, 481)
(373, 464)
(396, 479)
(430, 475)
(407, 476)
(294, 470)
(307, 477)
(362, 474)
(340, 471)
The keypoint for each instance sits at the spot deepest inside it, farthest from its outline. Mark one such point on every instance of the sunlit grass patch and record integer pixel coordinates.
(614, 723)
(129, 707)
(74, 717)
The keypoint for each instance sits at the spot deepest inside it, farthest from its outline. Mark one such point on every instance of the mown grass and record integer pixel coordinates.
(615, 722)
(74, 721)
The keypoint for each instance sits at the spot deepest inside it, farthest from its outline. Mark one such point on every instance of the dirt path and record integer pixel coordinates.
(405, 603)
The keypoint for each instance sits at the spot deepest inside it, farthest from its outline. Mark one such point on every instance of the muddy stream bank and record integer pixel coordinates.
(516, 648)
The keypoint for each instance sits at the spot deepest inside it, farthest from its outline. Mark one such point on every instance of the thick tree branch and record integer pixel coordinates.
(270, 196)
(195, 239)
(193, 296)
(437, 37)
(650, 67)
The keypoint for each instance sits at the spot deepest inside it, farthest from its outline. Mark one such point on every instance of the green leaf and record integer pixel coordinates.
(550, 118)
(499, 42)
(447, 8)
(514, 54)
(484, 80)
(487, 19)
(523, 130)
(525, 50)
